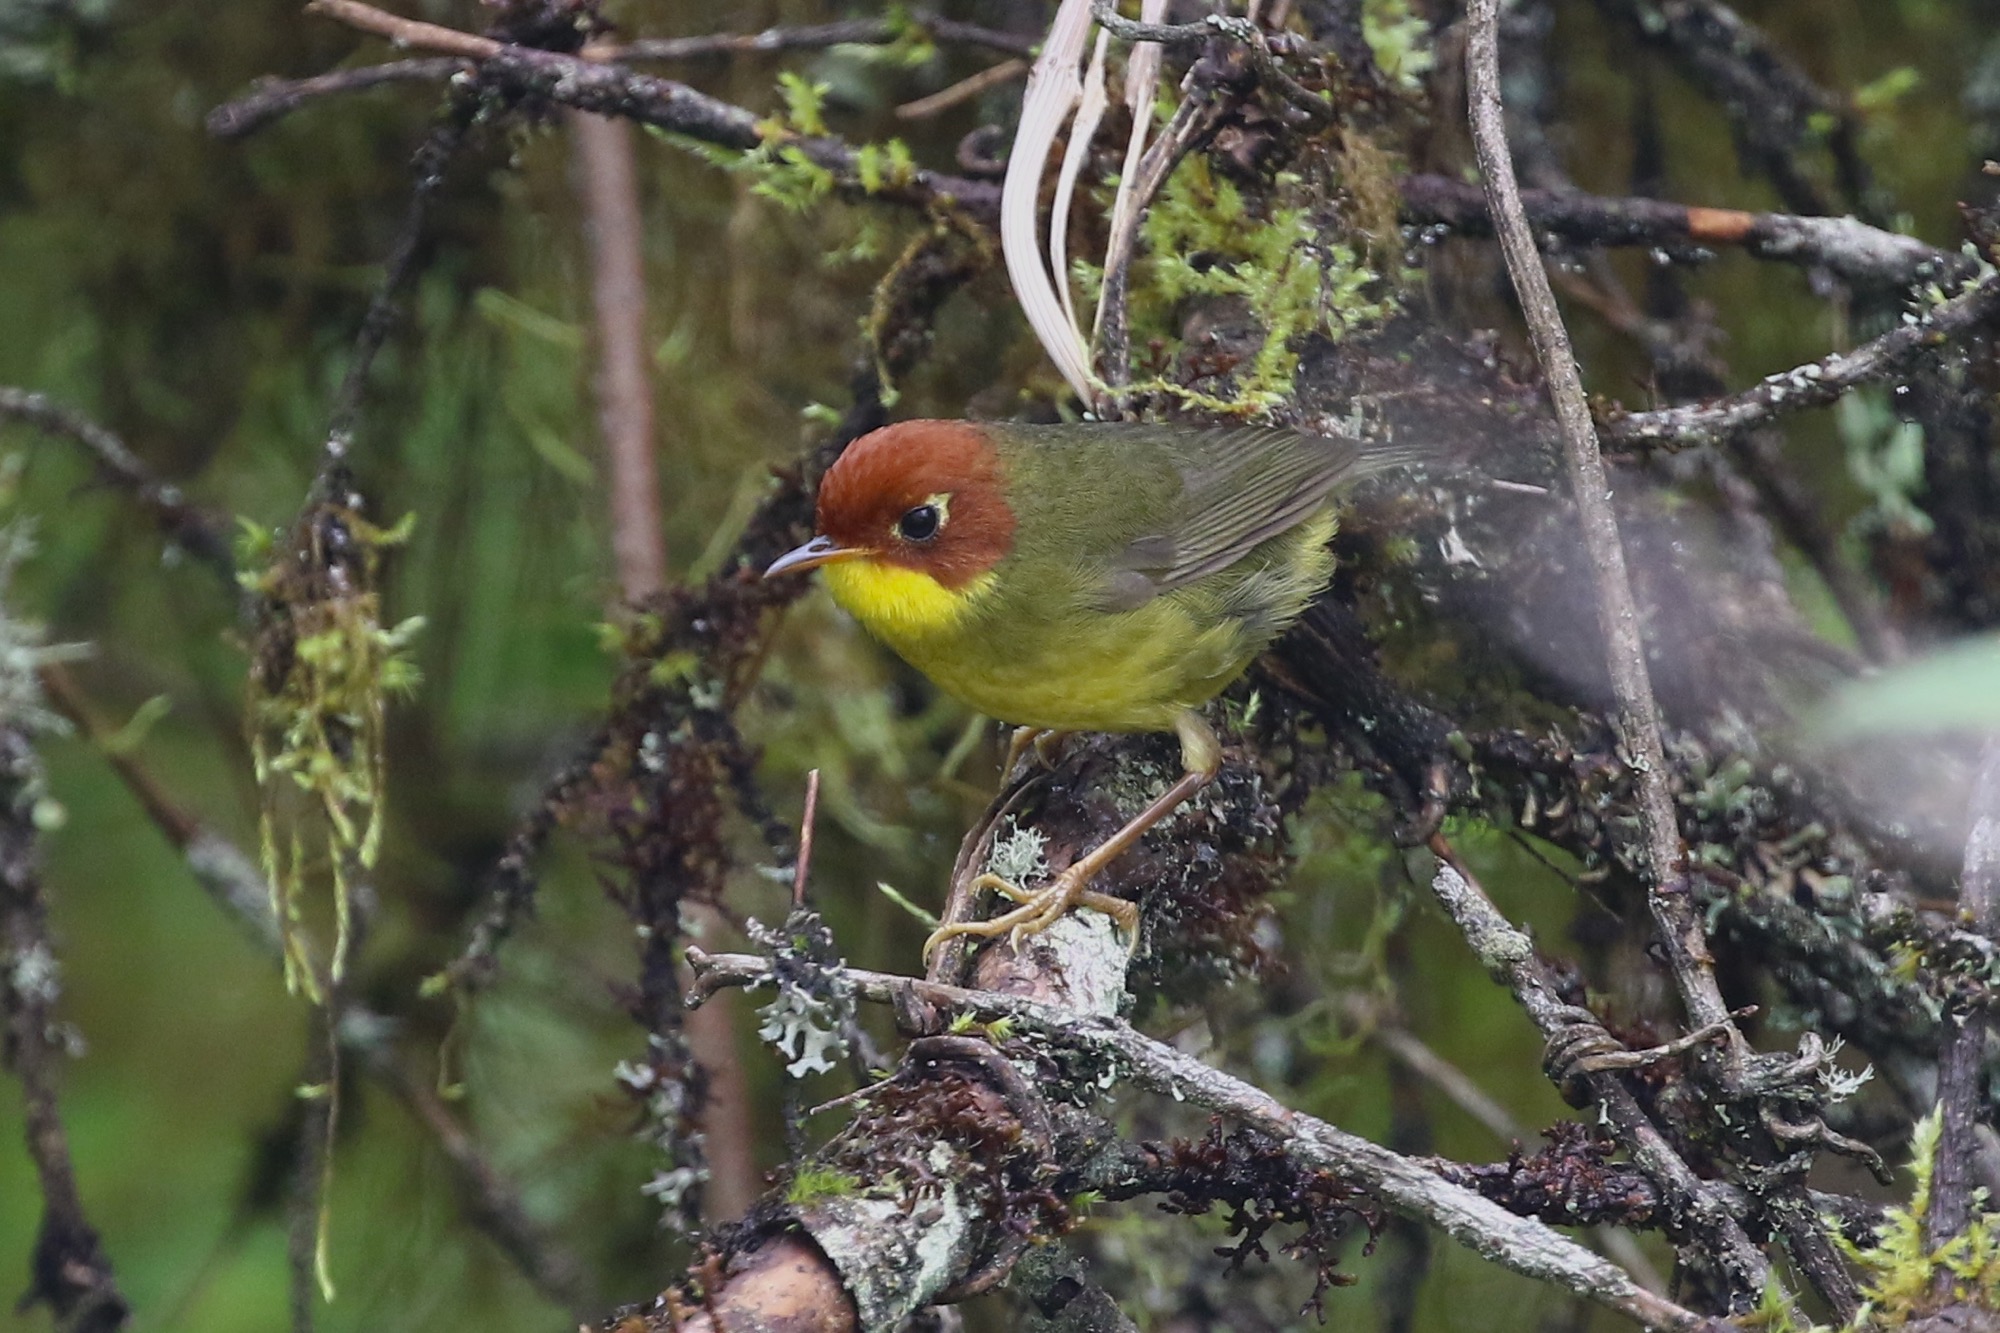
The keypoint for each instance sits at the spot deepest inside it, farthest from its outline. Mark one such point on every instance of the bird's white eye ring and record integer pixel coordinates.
(922, 523)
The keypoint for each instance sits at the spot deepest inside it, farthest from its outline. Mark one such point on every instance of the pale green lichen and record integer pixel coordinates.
(1018, 854)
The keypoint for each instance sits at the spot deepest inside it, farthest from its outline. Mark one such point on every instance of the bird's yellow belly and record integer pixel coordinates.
(1034, 664)
(1134, 672)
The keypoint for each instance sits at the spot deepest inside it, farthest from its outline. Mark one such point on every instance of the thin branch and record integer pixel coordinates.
(1410, 1051)
(1193, 121)
(1815, 384)
(1617, 609)
(269, 100)
(1522, 1244)
(976, 85)
(406, 34)
(813, 37)
(197, 531)
(808, 820)
(1848, 248)
(1229, 27)
(520, 71)
(1509, 956)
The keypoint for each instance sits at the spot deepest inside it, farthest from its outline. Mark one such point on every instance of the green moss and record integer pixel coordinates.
(815, 1182)
(324, 670)
(1205, 241)
(1903, 1267)
(1400, 41)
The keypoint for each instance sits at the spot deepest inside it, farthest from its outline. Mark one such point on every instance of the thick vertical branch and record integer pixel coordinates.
(1617, 609)
(610, 189)
(70, 1272)
(1960, 1082)
(1678, 923)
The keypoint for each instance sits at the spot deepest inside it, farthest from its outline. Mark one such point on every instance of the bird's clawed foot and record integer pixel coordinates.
(1040, 909)
(1041, 740)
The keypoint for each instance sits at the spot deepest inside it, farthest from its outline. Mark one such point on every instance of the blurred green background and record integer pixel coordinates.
(201, 299)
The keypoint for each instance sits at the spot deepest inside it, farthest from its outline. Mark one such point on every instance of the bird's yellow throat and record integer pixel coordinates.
(899, 603)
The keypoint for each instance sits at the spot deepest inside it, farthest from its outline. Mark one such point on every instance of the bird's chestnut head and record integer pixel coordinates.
(923, 496)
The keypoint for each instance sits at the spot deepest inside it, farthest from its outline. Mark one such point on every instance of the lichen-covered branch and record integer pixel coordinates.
(572, 81)
(1844, 246)
(1407, 1186)
(69, 1272)
(1816, 384)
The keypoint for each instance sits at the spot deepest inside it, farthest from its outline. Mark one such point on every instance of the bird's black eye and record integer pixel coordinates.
(920, 524)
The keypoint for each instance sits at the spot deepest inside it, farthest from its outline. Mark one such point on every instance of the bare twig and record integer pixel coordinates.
(1843, 246)
(1193, 121)
(923, 108)
(1410, 1051)
(197, 531)
(272, 99)
(407, 34)
(1815, 384)
(1230, 27)
(1618, 611)
(811, 37)
(1521, 1244)
(808, 819)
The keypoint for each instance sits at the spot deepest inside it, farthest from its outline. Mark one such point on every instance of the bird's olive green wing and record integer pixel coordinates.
(1239, 489)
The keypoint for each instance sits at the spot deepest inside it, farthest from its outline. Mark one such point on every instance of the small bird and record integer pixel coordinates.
(1082, 577)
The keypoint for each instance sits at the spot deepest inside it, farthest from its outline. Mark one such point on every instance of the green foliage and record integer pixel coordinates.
(1956, 689)
(1204, 240)
(1399, 39)
(326, 668)
(1903, 1266)
(1885, 456)
(815, 1181)
(805, 103)
(883, 165)
(1885, 91)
